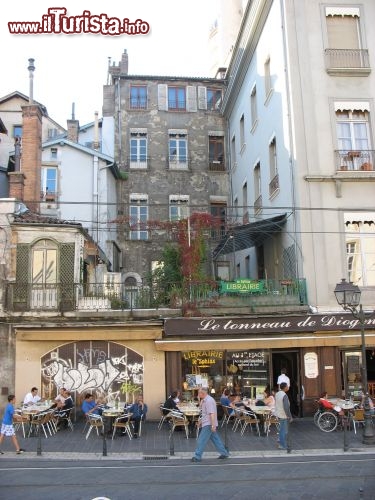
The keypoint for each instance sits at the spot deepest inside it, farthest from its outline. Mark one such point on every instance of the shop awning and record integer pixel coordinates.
(249, 235)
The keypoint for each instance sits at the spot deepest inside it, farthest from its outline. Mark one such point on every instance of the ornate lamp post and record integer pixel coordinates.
(348, 297)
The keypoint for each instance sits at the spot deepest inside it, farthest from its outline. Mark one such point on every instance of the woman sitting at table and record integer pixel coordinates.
(171, 403)
(327, 405)
(268, 399)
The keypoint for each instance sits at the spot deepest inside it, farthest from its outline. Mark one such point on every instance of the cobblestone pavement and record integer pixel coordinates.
(153, 444)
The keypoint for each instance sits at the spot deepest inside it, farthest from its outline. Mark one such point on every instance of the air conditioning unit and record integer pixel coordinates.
(112, 284)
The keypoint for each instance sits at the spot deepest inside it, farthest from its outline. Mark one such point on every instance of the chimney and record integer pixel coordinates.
(124, 64)
(24, 182)
(31, 159)
(73, 127)
(96, 144)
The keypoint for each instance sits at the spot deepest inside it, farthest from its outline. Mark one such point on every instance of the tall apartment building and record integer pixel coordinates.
(169, 139)
(300, 111)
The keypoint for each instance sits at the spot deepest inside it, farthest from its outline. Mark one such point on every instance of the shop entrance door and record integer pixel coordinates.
(290, 361)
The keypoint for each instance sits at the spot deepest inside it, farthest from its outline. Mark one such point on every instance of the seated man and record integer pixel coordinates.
(225, 401)
(32, 397)
(138, 411)
(60, 398)
(89, 405)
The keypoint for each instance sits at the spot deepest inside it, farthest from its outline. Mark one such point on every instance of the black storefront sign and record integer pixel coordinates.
(266, 324)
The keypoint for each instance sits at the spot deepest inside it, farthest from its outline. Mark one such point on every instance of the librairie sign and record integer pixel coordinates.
(266, 324)
(242, 286)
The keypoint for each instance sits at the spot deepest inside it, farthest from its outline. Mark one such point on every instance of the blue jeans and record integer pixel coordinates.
(283, 432)
(205, 434)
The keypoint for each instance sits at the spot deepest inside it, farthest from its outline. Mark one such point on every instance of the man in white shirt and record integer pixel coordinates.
(32, 397)
(283, 378)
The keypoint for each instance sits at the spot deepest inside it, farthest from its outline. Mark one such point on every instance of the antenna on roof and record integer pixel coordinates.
(31, 69)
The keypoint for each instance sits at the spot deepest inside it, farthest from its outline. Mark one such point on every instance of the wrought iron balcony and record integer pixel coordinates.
(216, 165)
(361, 160)
(27, 297)
(347, 61)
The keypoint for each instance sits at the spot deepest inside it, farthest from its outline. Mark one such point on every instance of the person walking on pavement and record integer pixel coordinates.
(7, 428)
(282, 411)
(208, 427)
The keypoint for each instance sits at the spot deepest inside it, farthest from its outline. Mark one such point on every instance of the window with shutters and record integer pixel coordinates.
(274, 175)
(176, 98)
(257, 188)
(216, 153)
(138, 150)
(253, 108)
(267, 79)
(213, 99)
(242, 134)
(233, 152)
(345, 51)
(178, 151)
(138, 97)
(138, 216)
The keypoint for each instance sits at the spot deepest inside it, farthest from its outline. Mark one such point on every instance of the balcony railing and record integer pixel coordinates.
(216, 165)
(141, 162)
(355, 160)
(347, 59)
(178, 162)
(23, 297)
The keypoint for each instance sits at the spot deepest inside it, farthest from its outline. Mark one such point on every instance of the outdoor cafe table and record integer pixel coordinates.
(109, 415)
(191, 411)
(262, 411)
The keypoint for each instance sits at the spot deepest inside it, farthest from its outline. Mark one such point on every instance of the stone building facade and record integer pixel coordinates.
(169, 139)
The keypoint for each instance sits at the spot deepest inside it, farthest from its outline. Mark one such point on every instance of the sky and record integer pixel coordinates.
(73, 67)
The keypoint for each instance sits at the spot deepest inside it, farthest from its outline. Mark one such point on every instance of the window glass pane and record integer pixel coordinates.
(50, 271)
(38, 259)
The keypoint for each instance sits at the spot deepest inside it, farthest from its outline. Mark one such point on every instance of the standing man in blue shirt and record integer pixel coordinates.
(7, 428)
(208, 425)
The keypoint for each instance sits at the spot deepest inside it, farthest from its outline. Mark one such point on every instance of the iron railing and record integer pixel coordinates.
(22, 297)
(347, 59)
(355, 159)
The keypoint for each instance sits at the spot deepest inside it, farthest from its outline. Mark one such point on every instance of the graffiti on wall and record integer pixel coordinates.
(100, 367)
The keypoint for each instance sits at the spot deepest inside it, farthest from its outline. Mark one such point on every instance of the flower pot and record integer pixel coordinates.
(366, 166)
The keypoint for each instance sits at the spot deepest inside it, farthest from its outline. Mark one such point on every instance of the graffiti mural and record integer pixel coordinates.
(105, 369)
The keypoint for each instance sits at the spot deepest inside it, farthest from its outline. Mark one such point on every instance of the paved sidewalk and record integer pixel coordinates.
(306, 439)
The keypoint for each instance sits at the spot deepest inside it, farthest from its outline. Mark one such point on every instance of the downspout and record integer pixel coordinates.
(290, 133)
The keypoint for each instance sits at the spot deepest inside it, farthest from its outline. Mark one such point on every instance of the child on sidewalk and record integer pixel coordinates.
(7, 428)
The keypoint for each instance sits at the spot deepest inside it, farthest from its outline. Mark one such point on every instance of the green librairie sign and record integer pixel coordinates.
(242, 286)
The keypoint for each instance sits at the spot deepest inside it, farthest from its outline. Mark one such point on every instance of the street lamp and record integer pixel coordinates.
(348, 297)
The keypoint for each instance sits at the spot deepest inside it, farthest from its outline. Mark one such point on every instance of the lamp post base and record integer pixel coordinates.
(368, 431)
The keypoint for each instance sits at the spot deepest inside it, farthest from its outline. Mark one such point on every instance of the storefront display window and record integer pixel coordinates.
(243, 372)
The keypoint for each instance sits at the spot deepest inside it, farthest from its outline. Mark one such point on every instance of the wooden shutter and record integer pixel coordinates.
(66, 273)
(343, 32)
(191, 98)
(202, 97)
(22, 286)
(163, 97)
